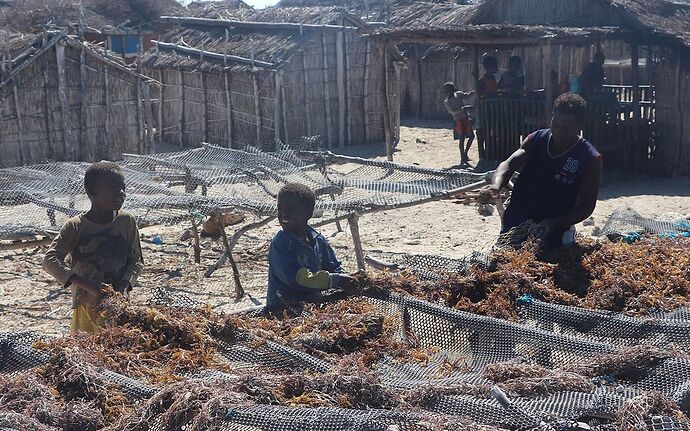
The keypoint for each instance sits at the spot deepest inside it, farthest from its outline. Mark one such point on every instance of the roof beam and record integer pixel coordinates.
(216, 56)
(251, 25)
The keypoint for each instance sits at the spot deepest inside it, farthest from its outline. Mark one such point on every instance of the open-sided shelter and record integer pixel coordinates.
(278, 73)
(61, 99)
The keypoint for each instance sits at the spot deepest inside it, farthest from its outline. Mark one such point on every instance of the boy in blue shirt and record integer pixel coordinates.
(301, 264)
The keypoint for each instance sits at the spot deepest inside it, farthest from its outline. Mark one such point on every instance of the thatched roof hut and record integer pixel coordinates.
(262, 75)
(212, 9)
(660, 27)
(62, 99)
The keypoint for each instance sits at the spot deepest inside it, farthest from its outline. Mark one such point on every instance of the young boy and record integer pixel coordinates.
(103, 245)
(462, 120)
(300, 262)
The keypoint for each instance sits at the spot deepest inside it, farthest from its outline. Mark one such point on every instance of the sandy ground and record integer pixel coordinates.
(30, 300)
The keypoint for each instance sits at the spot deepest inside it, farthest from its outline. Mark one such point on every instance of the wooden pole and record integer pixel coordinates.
(48, 113)
(284, 111)
(548, 87)
(257, 110)
(481, 134)
(420, 83)
(326, 92)
(197, 241)
(140, 118)
(396, 107)
(679, 108)
(367, 61)
(353, 221)
(20, 126)
(83, 144)
(340, 76)
(69, 153)
(148, 119)
(348, 103)
(635, 75)
(161, 128)
(108, 132)
(388, 129)
(204, 112)
(228, 109)
(305, 81)
(180, 119)
(239, 291)
(277, 106)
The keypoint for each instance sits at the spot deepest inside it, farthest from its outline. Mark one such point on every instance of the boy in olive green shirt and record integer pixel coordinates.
(103, 245)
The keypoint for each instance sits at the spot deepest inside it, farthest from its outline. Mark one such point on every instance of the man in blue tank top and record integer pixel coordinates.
(559, 177)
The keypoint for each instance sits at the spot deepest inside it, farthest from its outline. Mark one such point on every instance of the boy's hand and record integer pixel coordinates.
(123, 288)
(349, 283)
(91, 287)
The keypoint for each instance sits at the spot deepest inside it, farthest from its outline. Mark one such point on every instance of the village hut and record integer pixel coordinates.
(255, 77)
(659, 33)
(62, 99)
(123, 27)
(212, 9)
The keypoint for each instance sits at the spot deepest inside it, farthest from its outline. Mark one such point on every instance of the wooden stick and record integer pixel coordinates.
(420, 93)
(140, 117)
(353, 221)
(180, 121)
(108, 132)
(239, 291)
(83, 144)
(48, 114)
(228, 109)
(348, 107)
(204, 112)
(257, 110)
(20, 126)
(283, 109)
(340, 76)
(216, 56)
(161, 128)
(148, 119)
(69, 152)
(197, 241)
(305, 82)
(233, 241)
(326, 92)
(386, 114)
(367, 61)
(278, 77)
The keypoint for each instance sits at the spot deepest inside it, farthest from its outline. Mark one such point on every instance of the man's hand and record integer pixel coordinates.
(92, 288)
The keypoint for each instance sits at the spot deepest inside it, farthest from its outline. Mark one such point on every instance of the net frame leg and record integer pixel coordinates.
(197, 241)
(353, 221)
(239, 291)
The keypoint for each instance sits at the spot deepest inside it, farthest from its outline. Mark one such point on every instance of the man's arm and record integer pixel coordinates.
(508, 167)
(135, 260)
(586, 198)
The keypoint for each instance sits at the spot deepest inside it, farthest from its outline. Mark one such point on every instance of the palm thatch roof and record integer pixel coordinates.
(213, 9)
(35, 15)
(227, 41)
(667, 21)
(430, 14)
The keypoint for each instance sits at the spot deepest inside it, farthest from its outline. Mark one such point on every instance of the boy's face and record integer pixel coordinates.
(108, 193)
(292, 215)
(565, 127)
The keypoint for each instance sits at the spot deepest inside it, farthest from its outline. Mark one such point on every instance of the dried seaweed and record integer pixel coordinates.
(633, 414)
(521, 379)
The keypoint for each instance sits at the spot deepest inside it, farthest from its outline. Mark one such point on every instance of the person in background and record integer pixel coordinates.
(103, 245)
(301, 263)
(559, 177)
(512, 82)
(593, 77)
(486, 87)
(462, 119)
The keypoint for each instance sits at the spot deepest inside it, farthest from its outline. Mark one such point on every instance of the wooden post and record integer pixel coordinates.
(679, 108)
(257, 110)
(353, 221)
(69, 153)
(548, 87)
(148, 119)
(228, 109)
(140, 118)
(161, 128)
(481, 134)
(398, 90)
(388, 129)
(367, 61)
(197, 241)
(83, 143)
(346, 92)
(277, 106)
(108, 132)
(20, 126)
(48, 113)
(340, 76)
(306, 90)
(326, 92)
(180, 120)
(635, 75)
(204, 112)
(239, 291)
(420, 83)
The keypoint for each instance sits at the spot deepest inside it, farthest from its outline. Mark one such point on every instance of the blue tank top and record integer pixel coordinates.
(547, 187)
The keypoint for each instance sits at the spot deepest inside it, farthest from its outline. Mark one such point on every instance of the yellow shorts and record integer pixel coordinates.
(85, 319)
